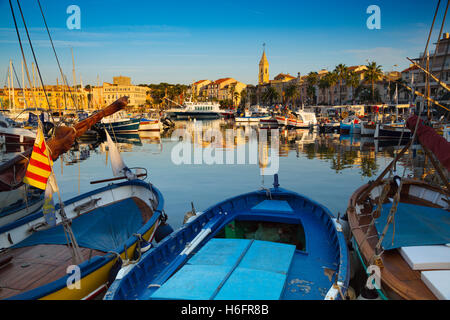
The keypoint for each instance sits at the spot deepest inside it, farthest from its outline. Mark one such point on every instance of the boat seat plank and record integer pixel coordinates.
(252, 284)
(427, 257)
(268, 256)
(438, 281)
(236, 269)
(193, 282)
(221, 253)
(270, 206)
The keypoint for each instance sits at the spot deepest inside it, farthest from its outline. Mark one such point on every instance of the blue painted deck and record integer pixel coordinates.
(231, 269)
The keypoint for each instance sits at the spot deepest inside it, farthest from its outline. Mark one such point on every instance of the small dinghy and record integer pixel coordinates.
(264, 245)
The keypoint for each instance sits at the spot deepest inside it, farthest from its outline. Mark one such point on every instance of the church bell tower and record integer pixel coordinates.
(263, 68)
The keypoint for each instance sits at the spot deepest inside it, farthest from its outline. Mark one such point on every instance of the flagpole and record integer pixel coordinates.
(70, 237)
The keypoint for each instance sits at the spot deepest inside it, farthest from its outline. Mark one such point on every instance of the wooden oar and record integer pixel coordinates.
(118, 178)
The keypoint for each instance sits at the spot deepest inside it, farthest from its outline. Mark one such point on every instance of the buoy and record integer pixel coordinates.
(351, 295)
(368, 294)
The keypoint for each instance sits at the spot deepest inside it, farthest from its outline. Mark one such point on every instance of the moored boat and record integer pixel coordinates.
(121, 219)
(391, 131)
(149, 125)
(121, 124)
(298, 120)
(329, 127)
(196, 110)
(264, 245)
(249, 116)
(368, 129)
(401, 226)
(13, 136)
(419, 210)
(73, 250)
(350, 125)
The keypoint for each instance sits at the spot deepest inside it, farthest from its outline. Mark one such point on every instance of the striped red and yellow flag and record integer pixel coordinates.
(39, 168)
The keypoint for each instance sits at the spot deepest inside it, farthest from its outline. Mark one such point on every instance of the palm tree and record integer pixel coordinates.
(341, 71)
(331, 79)
(312, 79)
(243, 96)
(352, 81)
(236, 96)
(271, 95)
(291, 93)
(324, 85)
(372, 74)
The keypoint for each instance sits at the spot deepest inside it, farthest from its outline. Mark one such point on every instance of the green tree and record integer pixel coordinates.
(243, 97)
(312, 79)
(291, 93)
(372, 74)
(331, 80)
(341, 71)
(353, 82)
(270, 95)
(236, 96)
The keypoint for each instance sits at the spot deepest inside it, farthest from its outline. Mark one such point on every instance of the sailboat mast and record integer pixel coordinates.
(74, 77)
(428, 85)
(12, 85)
(34, 82)
(100, 98)
(81, 93)
(9, 89)
(24, 86)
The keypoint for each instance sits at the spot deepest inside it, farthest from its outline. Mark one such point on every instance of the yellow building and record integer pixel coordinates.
(121, 87)
(56, 98)
(223, 89)
(199, 87)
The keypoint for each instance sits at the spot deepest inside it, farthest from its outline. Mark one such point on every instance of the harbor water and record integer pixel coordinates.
(326, 168)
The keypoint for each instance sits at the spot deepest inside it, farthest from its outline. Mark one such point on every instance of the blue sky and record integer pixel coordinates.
(185, 41)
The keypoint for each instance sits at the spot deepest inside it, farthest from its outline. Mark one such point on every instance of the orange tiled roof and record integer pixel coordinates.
(282, 75)
(222, 80)
(410, 69)
(199, 82)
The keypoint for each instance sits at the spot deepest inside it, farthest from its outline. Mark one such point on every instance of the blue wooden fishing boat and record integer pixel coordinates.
(120, 123)
(264, 245)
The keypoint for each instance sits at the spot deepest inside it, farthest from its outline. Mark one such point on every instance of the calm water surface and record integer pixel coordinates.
(328, 169)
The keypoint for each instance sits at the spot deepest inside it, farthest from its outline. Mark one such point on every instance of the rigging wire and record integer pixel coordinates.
(23, 54)
(56, 56)
(35, 60)
(20, 86)
(429, 35)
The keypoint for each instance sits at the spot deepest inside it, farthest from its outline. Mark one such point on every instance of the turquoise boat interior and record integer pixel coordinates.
(264, 245)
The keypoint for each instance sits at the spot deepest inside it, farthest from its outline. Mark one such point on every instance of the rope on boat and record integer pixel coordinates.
(380, 293)
(391, 218)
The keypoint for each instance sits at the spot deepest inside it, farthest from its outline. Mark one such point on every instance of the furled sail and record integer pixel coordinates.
(117, 163)
(429, 138)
